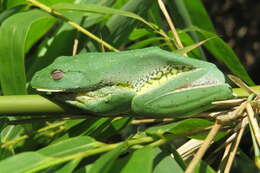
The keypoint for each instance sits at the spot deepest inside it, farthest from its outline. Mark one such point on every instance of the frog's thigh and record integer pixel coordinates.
(107, 100)
(182, 102)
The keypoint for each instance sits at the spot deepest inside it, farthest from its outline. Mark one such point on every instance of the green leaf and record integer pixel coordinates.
(3, 123)
(223, 52)
(144, 43)
(243, 163)
(187, 41)
(51, 48)
(69, 146)
(170, 149)
(83, 169)
(167, 165)
(9, 12)
(11, 132)
(180, 127)
(164, 162)
(69, 167)
(113, 128)
(83, 127)
(141, 159)
(189, 48)
(106, 161)
(14, 3)
(90, 126)
(100, 128)
(194, 13)
(203, 167)
(155, 15)
(97, 126)
(29, 161)
(93, 8)
(18, 33)
(23, 162)
(5, 153)
(120, 27)
(52, 2)
(139, 33)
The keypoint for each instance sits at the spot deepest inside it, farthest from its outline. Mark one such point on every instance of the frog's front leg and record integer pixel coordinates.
(189, 93)
(110, 100)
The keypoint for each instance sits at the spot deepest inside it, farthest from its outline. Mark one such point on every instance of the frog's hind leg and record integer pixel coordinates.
(189, 93)
(185, 102)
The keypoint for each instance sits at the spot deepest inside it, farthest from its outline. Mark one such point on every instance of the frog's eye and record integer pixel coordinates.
(57, 74)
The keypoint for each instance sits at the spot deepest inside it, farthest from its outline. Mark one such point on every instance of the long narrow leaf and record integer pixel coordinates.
(93, 8)
(140, 160)
(69, 146)
(120, 26)
(223, 52)
(18, 33)
(105, 162)
(193, 13)
(23, 162)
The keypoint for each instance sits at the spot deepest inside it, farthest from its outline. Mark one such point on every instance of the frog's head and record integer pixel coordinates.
(65, 74)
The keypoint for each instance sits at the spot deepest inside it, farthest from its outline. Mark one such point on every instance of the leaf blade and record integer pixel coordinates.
(14, 34)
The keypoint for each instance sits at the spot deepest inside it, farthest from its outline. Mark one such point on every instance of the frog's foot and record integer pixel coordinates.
(107, 100)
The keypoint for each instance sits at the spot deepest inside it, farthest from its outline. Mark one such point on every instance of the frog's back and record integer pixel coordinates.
(117, 67)
(133, 68)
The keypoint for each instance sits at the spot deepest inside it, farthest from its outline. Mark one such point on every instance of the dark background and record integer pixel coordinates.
(238, 23)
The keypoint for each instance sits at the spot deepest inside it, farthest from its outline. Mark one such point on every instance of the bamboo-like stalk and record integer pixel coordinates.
(35, 104)
(242, 93)
(177, 40)
(202, 150)
(28, 104)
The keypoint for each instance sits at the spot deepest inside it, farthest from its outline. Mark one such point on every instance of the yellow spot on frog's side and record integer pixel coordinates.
(162, 76)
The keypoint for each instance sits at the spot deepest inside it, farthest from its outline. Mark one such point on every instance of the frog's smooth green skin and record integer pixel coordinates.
(149, 81)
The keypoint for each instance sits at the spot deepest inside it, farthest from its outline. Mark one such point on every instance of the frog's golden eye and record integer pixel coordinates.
(57, 74)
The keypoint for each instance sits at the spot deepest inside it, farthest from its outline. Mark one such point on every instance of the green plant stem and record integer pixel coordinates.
(71, 23)
(177, 40)
(48, 118)
(40, 131)
(242, 93)
(35, 104)
(28, 104)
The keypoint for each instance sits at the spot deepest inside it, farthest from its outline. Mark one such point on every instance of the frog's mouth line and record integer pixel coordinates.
(49, 90)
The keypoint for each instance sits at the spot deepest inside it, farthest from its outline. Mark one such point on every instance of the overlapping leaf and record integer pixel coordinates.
(29, 161)
(18, 33)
